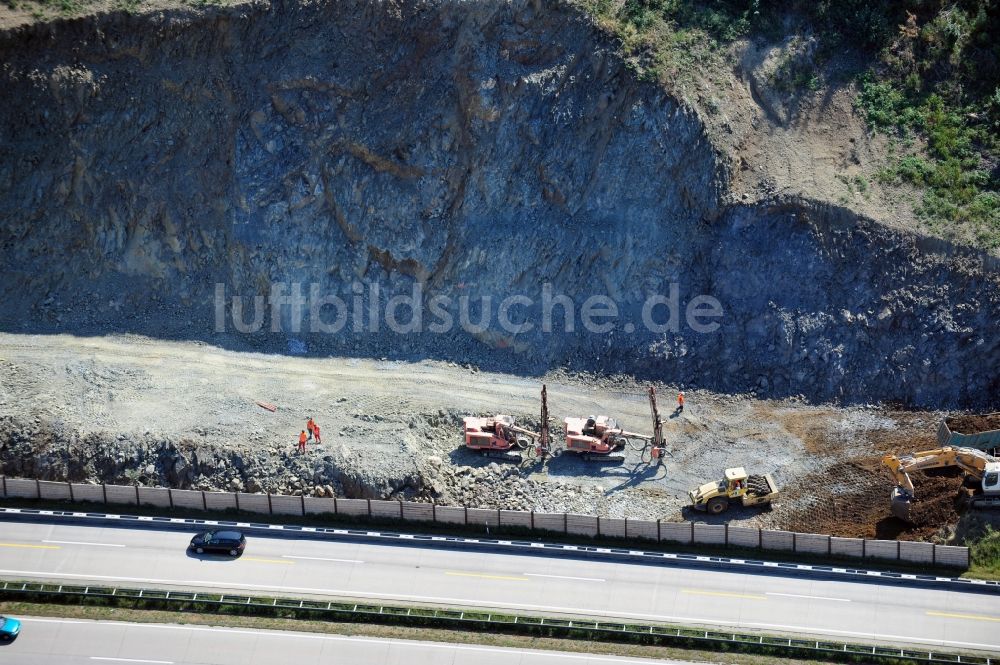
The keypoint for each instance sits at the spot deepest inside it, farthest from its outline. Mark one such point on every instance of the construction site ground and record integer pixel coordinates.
(405, 418)
(974, 423)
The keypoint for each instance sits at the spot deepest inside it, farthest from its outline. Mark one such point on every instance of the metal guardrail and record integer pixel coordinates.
(599, 630)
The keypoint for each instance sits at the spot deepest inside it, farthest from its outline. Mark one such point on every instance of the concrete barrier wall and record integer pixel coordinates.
(449, 514)
(352, 507)
(418, 512)
(254, 503)
(743, 536)
(647, 529)
(676, 532)
(518, 518)
(187, 499)
(850, 547)
(21, 488)
(220, 500)
(316, 505)
(585, 525)
(709, 534)
(881, 549)
(483, 517)
(286, 505)
(812, 543)
(155, 496)
(552, 522)
(950, 555)
(121, 494)
(83, 492)
(581, 525)
(53, 491)
(611, 526)
(776, 540)
(386, 509)
(916, 552)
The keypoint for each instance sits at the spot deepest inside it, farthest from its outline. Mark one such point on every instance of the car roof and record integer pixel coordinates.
(234, 535)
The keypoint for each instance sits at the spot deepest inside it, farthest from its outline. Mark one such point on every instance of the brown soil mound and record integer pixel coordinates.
(970, 424)
(936, 501)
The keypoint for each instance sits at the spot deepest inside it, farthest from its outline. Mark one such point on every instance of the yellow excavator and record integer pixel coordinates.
(976, 464)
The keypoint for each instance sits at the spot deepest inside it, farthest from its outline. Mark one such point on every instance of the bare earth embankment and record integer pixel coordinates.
(130, 409)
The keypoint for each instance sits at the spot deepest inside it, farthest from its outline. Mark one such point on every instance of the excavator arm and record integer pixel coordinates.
(899, 474)
(972, 461)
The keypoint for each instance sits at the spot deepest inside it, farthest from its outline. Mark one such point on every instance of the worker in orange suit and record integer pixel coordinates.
(310, 426)
(680, 402)
(302, 442)
(316, 432)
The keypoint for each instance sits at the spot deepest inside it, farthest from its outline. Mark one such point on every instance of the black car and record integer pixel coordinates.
(229, 542)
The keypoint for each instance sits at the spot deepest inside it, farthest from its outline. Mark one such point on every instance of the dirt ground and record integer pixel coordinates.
(974, 423)
(394, 415)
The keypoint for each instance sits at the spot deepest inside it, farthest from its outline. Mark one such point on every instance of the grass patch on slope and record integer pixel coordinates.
(932, 81)
(984, 552)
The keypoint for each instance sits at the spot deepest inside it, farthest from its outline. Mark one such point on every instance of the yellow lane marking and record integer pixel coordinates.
(489, 577)
(696, 592)
(974, 617)
(252, 558)
(34, 547)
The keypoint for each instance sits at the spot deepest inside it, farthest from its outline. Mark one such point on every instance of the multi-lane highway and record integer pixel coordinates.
(72, 642)
(842, 610)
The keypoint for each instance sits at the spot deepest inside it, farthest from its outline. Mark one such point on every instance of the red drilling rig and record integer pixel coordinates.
(500, 437)
(600, 439)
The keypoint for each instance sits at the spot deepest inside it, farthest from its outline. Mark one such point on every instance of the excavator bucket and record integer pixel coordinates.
(900, 504)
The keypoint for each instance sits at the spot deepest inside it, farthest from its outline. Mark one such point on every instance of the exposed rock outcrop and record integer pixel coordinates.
(473, 149)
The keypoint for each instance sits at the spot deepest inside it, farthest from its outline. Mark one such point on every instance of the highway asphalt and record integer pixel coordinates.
(832, 609)
(46, 641)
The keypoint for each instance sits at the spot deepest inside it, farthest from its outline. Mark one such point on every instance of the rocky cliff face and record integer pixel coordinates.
(475, 149)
